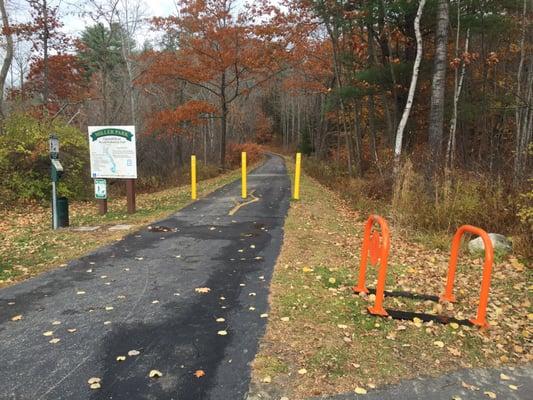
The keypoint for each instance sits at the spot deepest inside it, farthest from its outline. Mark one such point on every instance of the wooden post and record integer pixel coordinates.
(130, 195)
(102, 206)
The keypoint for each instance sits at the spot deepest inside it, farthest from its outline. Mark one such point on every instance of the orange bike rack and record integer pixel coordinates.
(481, 318)
(378, 247)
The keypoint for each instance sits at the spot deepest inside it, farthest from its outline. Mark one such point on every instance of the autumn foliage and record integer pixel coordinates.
(221, 54)
(66, 77)
(191, 113)
(253, 153)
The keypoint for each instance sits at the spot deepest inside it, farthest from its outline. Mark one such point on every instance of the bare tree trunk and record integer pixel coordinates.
(384, 42)
(337, 72)
(7, 60)
(129, 17)
(358, 141)
(438, 85)
(524, 111)
(412, 88)
(458, 86)
(45, 37)
(223, 121)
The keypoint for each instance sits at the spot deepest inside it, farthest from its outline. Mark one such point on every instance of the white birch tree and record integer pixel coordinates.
(412, 89)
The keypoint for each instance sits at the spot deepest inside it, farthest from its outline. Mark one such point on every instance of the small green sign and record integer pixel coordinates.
(111, 132)
(100, 189)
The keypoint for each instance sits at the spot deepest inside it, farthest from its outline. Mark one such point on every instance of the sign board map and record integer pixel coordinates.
(100, 189)
(113, 153)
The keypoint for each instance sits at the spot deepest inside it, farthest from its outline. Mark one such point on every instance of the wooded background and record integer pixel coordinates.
(425, 106)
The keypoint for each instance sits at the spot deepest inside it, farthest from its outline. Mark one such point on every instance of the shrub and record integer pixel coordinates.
(365, 195)
(233, 154)
(456, 199)
(25, 164)
(434, 213)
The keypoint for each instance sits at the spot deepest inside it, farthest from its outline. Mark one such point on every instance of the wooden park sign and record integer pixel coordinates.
(113, 156)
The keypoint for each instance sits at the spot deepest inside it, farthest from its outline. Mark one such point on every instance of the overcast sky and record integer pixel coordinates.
(73, 24)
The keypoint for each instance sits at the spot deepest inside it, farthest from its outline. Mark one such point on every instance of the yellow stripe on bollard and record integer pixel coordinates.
(193, 177)
(297, 171)
(243, 162)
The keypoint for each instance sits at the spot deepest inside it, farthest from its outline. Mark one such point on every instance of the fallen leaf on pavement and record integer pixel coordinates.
(94, 383)
(155, 374)
(504, 377)
(199, 373)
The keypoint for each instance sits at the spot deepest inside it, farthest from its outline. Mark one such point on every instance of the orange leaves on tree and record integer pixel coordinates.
(191, 113)
(66, 78)
(314, 73)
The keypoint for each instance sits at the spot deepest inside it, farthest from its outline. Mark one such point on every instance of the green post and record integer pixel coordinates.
(55, 172)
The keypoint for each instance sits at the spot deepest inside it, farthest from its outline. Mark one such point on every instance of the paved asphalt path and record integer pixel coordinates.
(465, 384)
(149, 280)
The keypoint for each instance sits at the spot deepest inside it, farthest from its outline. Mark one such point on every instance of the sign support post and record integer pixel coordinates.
(55, 223)
(102, 206)
(100, 193)
(56, 171)
(130, 195)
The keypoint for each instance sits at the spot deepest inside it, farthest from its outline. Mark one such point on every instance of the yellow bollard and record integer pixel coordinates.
(193, 177)
(243, 162)
(297, 172)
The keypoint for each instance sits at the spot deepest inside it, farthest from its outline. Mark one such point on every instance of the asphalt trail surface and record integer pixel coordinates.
(465, 384)
(139, 294)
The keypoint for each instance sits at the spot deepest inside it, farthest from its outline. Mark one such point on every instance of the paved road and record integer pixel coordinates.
(466, 384)
(139, 294)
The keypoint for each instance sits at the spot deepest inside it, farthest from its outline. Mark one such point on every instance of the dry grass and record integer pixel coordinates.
(328, 332)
